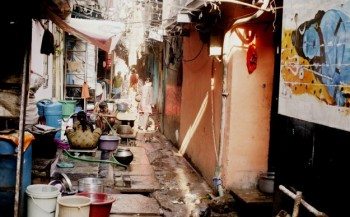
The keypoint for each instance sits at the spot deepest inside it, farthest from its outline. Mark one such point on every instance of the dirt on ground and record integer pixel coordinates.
(183, 191)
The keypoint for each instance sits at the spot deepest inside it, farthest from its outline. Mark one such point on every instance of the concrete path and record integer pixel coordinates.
(161, 181)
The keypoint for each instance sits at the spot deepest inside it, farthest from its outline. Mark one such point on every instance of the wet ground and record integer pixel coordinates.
(175, 189)
(183, 191)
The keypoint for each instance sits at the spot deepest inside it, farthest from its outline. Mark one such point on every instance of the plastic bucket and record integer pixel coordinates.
(53, 115)
(42, 200)
(8, 164)
(41, 106)
(101, 204)
(68, 107)
(73, 206)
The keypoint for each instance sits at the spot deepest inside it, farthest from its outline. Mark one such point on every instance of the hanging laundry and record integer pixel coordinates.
(85, 91)
(47, 44)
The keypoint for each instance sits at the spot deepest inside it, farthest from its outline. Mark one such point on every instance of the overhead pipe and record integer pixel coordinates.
(218, 170)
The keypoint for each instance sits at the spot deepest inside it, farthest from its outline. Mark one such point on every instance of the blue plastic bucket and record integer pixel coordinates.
(53, 114)
(8, 164)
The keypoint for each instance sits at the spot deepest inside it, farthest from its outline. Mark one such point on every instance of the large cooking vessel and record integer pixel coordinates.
(109, 142)
(266, 182)
(124, 156)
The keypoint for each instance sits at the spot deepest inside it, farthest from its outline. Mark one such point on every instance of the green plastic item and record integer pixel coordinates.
(68, 107)
(112, 160)
(65, 165)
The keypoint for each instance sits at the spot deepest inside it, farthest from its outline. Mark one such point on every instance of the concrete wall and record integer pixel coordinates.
(249, 106)
(197, 131)
(172, 84)
(41, 64)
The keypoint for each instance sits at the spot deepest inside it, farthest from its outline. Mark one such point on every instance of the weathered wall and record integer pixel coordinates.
(172, 75)
(249, 106)
(41, 64)
(200, 107)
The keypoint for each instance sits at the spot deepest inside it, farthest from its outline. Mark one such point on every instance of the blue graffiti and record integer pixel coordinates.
(325, 42)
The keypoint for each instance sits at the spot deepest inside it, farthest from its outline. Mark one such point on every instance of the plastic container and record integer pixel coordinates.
(73, 206)
(68, 107)
(53, 114)
(44, 145)
(42, 200)
(101, 204)
(8, 164)
(41, 106)
(109, 142)
(90, 185)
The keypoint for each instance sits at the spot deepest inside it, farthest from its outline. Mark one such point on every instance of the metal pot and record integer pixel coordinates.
(122, 107)
(266, 182)
(109, 142)
(124, 156)
(124, 129)
(91, 185)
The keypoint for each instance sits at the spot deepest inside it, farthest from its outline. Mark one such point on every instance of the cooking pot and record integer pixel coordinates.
(125, 129)
(109, 142)
(90, 184)
(266, 182)
(122, 107)
(124, 156)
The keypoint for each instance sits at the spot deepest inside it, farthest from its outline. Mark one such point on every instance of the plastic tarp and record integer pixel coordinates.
(105, 34)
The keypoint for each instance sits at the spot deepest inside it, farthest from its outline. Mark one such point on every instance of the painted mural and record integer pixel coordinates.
(315, 62)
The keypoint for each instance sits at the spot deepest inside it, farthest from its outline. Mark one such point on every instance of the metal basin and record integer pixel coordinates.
(90, 185)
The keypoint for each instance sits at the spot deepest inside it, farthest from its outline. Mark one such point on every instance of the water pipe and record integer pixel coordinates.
(218, 170)
(112, 160)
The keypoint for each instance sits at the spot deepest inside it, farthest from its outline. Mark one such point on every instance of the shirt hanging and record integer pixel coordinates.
(85, 91)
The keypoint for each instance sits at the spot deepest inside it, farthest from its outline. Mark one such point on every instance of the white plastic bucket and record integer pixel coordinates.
(42, 200)
(74, 206)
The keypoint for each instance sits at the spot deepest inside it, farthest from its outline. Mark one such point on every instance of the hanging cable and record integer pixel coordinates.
(200, 51)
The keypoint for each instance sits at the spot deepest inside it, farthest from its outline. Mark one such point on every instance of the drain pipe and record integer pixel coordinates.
(218, 170)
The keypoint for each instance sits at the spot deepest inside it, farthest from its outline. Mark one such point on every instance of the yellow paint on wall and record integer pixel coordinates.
(297, 73)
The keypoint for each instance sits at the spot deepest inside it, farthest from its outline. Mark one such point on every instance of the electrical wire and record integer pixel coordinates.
(200, 51)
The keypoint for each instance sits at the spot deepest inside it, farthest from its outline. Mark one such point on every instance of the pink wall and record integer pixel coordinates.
(196, 128)
(247, 135)
(247, 127)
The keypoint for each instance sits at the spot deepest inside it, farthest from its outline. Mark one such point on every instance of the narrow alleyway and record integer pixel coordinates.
(176, 190)
(183, 192)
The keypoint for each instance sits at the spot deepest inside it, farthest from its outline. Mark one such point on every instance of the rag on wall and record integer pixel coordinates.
(47, 44)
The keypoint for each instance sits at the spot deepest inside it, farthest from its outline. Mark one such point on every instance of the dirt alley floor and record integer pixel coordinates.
(183, 191)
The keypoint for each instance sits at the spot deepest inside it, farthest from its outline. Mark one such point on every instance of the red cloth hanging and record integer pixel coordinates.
(252, 58)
